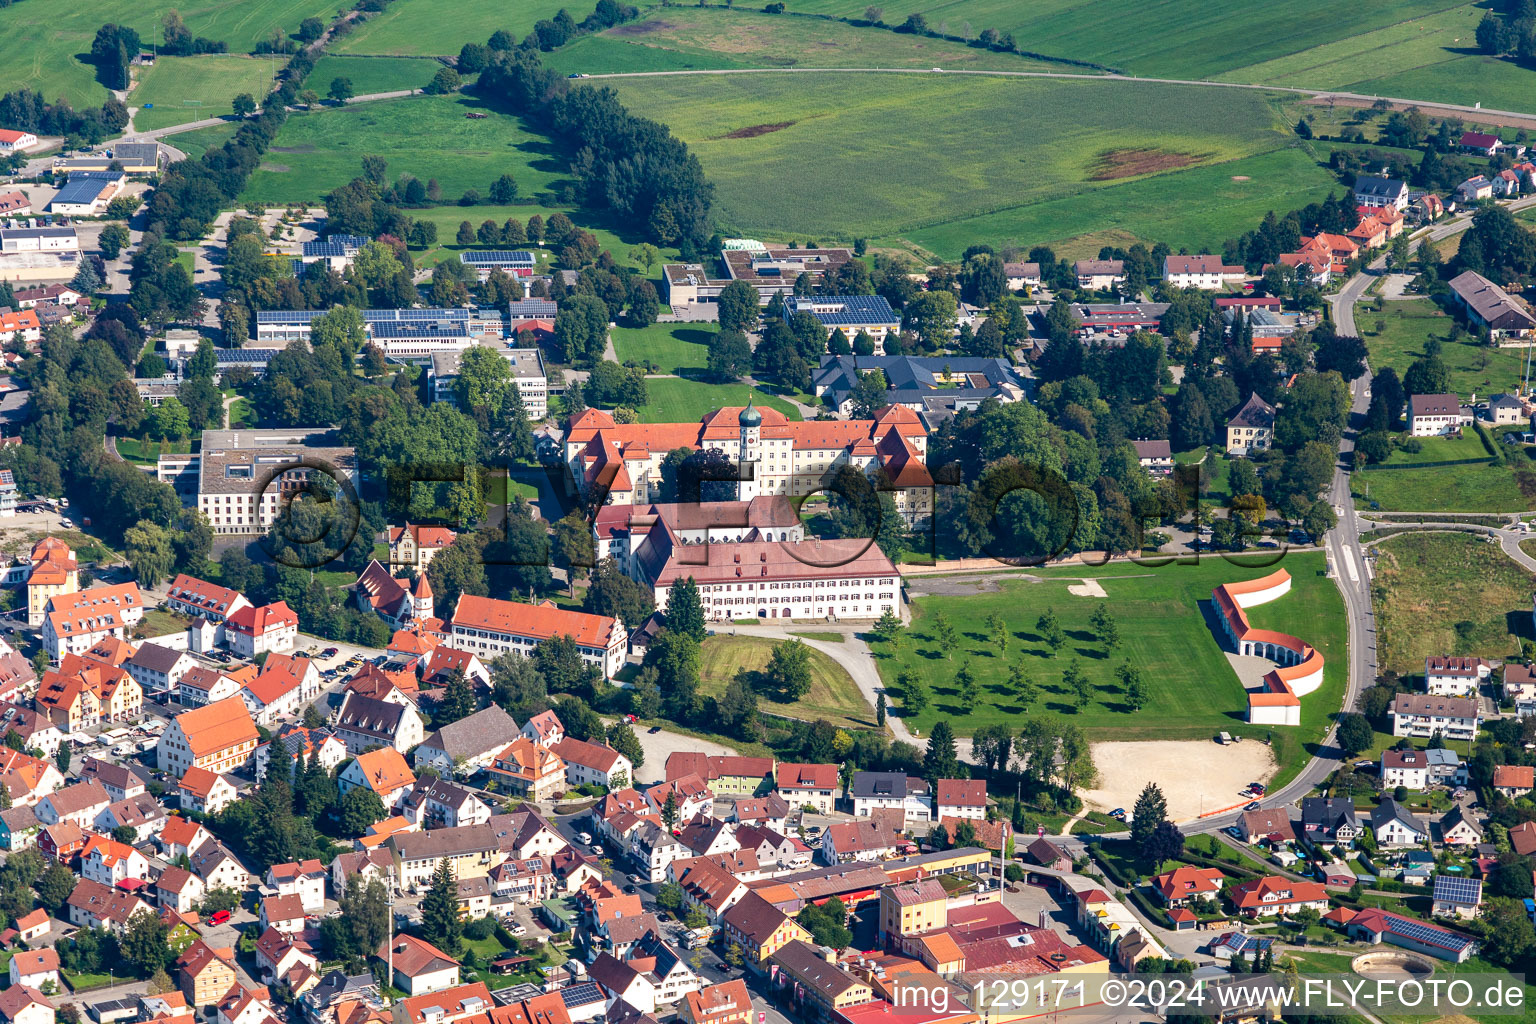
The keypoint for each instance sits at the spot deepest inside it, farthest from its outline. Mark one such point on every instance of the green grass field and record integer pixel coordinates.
(1176, 38)
(1472, 488)
(1412, 322)
(196, 143)
(372, 74)
(961, 159)
(43, 40)
(1443, 593)
(448, 219)
(677, 400)
(426, 28)
(833, 695)
(212, 81)
(316, 152)
(1161, 615)
(676, 38)
(673, 347)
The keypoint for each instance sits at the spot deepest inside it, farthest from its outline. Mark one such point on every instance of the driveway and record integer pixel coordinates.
(658, 746)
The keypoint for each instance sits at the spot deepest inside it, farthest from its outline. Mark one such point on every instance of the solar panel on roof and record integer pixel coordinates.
(434, 315)
(495, 257)
(1458, 890)
(583, 994)
(1426, 933)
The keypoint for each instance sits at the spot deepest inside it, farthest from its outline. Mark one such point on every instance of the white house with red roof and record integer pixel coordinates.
(109, 862)
(491, 627)
(285, 684)
(23, 1004)
(76, 622)
(204, 791)
(1276, 894)
(250, 631)
(815, 785)
(12, 141)
(285, 913)
(960, 798)
(594, 762)
(304, 879)
(544, 728)
(200, 599)
(396, 601)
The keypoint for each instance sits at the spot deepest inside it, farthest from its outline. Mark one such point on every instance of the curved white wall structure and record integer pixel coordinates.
(1299, 668)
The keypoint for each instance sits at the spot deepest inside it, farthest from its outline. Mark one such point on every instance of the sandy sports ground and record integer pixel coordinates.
(1197, 776)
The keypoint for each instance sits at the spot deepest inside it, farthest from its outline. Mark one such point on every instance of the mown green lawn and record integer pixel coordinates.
(833, 694)
(676, 400)
(426, 28)
(1409, 324)
(427, 136)
(959, 143)
(1483, 487)
(673, 347)
(449, 217)
(45, 41)
(371, 74)
(183, 89)
(1445, 593)
(1162, 618)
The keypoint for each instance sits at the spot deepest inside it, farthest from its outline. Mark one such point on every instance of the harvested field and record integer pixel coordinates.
(1196, 776)
(1128, 163)
(640, 28)
(753, 131)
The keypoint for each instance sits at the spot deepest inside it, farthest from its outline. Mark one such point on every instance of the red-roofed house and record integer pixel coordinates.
(1514, 780)
(197, 598)
(960, 798)
(110, 862)
(12, 141)
(23, 1004)
(594, 762)
(1186, 883)
(285, 913)
(251, 631)
(414, 544)
(808, 784)
(285, 684)
(204, 791)
(1275, 894)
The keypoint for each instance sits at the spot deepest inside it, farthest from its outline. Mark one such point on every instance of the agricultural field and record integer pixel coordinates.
(833, 694)
(182, 89)
(425, 28)
(316, 152)
(1410, 323)
(1481, 487)
(1176, 39)
(371, 74)
(673, 347)
(43, 41)
(681, 37)
(960, 157)
(1447, 593)
(1161, 618)
(1197, 209)
(196, 143)
(678, 400)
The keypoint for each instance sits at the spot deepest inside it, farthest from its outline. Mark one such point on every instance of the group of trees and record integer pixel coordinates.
(1511, 31)
(629, 166)
(27, 110)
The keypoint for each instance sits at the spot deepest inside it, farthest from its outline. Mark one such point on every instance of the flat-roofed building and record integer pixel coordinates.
(513, 262)
(528, 376)
(242, 485)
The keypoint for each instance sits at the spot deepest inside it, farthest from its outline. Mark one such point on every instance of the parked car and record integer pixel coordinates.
(1118, 812)
(219, 917)
(519, 929)
(1252, 807)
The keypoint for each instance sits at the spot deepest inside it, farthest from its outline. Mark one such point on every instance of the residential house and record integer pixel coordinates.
(218, 868)
(1514, 780)
(303, 744)
(179, 889)
(727, 775)
(1273, 824)
(441, 804)
(61, 842)
(365, 722)
(1422, 714)
(158, 669)
(1048, 854)
(76, 622)
(284, 957)
(726, 1003)
(37, 731)
(219, 737)
(1099, 275)
(1252, 428)
(304, 879)
(1457, 828)
(847, 842)
(204, 791)
(707, 885)
(199, 599)
(769, 811)
(1156, 457)
(94, 905)
(23, 1004)
(35, 967)
(544, 728)
(19, 828)
(447, 1006)
(1186, 883)
(654, 848)
(1204, 272)
(1275, 894)
(142, 813)
(872, 790)
(120, 781)
(384, 771)
(1395, 825)
(1436, 415)
(1374, 191)
(31, 927)
(818, 989)
(418, 967)
(1474, 189)
(760, 929)
(808, 785)
(1457, 896)
(415, 545)
(207, 974)
(285, 913)
(471, 743)
(284, 685)
(471, 852)
(272, 628)
(960, 798)
(655, 975)
(78, 804)
(529, 769)
(201, 685)
(1329, 820)
(1021, 275)
(594, 763)
(689, 795)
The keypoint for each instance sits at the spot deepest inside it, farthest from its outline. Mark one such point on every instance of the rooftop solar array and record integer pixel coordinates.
(533, 309)
(336, 245)
(244, 355)
(409, 331)
(583, 994)
(496, 258)
(853, 309)
(1458, 890)
(372, 316)
(1428, 934)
